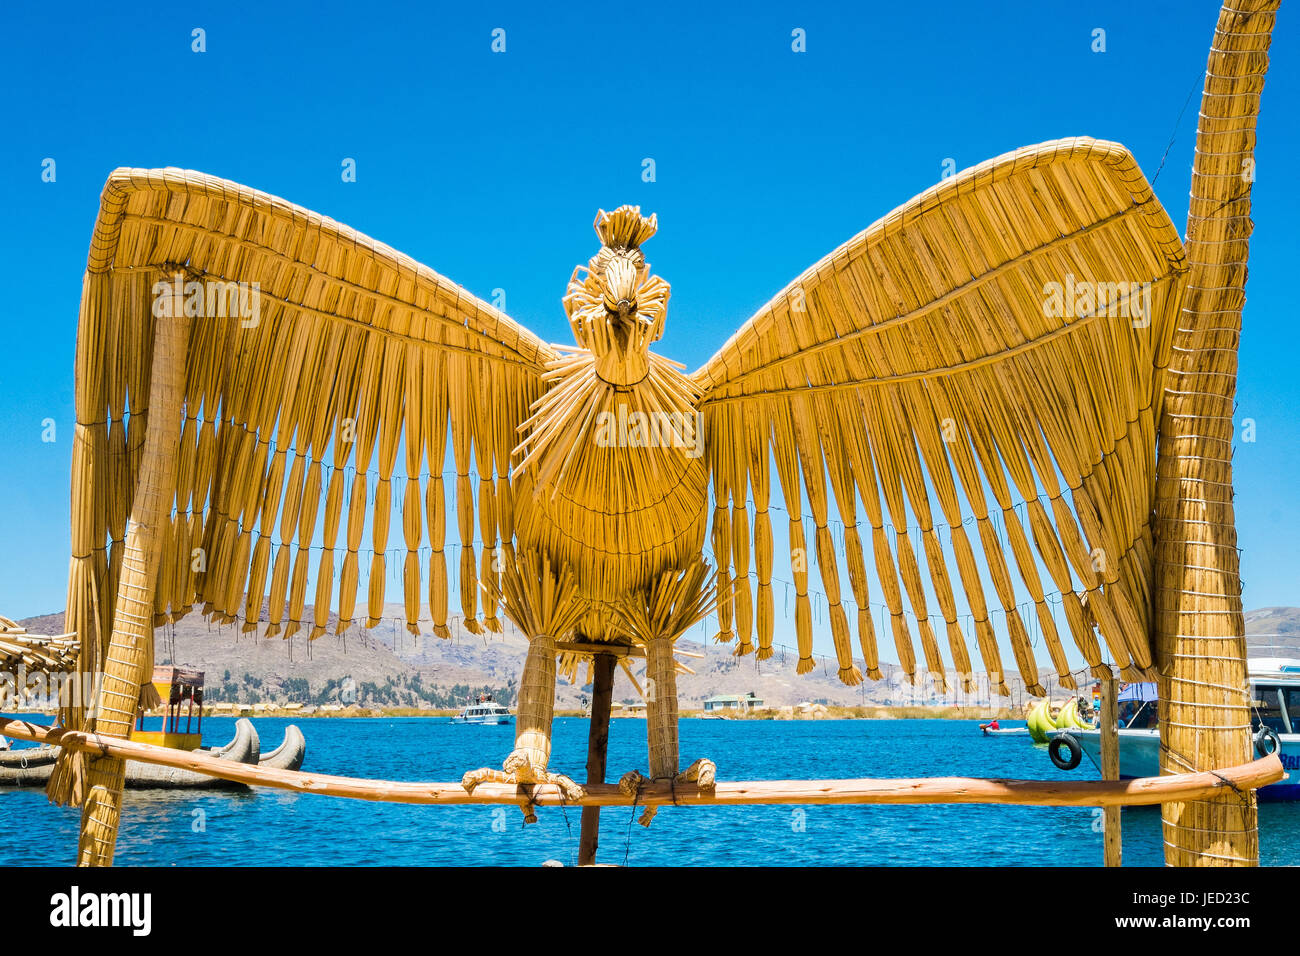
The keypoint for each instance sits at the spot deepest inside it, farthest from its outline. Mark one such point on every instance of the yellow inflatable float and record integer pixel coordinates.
(1069, 717)
(1041, 722)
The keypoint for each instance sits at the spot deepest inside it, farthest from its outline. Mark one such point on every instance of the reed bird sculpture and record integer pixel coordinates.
(1009, 400)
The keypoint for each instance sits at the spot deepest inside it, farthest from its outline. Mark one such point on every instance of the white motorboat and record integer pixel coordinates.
(1275, 726)
(484, 711)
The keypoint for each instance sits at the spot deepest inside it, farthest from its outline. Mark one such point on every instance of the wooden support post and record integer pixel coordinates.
(602, 694)
(1110, 768)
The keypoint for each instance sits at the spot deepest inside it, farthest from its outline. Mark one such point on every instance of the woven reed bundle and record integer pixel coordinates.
(654, 619)
(1199, 625)
(927, 347)
(546, 606)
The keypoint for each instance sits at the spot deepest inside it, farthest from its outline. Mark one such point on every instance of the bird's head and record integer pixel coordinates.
(617, 308)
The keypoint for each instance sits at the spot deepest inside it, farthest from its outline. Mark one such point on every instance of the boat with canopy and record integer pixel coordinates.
(1274, 727)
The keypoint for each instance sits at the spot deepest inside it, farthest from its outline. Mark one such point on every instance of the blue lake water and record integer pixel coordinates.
(270, 827)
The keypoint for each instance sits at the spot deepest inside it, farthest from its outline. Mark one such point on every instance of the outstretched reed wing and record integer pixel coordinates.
(315, 355)
(984, 362)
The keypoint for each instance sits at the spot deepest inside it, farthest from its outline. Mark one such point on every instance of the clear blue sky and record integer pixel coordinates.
(489, 167)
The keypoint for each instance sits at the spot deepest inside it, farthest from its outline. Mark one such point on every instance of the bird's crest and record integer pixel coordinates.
(625, 227)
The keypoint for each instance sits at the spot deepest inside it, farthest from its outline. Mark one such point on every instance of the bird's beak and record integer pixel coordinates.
(620, 290)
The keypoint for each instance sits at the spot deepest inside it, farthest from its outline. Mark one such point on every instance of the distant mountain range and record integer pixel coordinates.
(387, 666)
(1273, 632)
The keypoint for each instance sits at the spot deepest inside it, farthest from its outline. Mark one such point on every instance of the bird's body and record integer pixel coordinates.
(614, 482)
(623, 511)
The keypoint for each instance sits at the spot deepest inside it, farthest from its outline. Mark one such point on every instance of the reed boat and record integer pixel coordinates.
(32, 766)
(180, 692)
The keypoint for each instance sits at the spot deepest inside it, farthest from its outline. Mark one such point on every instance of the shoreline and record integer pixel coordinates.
(817, 712)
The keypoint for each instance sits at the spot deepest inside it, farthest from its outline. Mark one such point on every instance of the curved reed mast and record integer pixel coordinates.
(1200, 639)
(129, 657)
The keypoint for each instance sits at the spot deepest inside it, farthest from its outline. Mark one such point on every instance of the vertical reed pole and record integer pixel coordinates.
(536, 710)
(602, 695)
(1200, 630)
(661, 707)
(118, 699)
(1110, 769)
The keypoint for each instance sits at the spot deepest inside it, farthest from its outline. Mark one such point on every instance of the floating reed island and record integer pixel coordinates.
(1026, 354)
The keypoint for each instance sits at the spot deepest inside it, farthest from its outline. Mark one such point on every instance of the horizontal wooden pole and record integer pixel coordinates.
(1051, 793)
